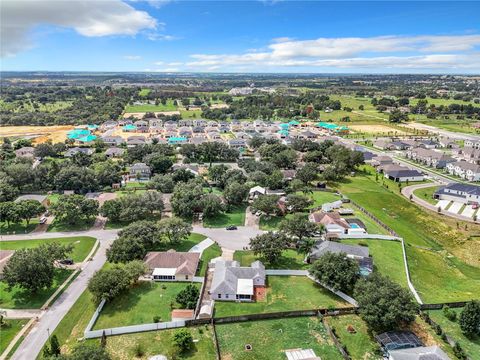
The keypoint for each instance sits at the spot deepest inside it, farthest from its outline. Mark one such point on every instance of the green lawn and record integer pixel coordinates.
(9, 331)
(270, 338)
(283, 295)
(58, 226)
(208, 254)
(321, 197)
(82, 245)
(236, 216)
(290, 259)
(161, 342)
(387, 258)
(151, 107)
(186, 245)
(427, 194)
(437, 275)
(452, 328)
(144, 92)
(140, 304)
(360, 344)
(18, 228)
(18, 298)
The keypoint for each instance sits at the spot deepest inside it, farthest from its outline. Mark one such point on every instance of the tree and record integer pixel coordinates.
(336, 271)
(183, 340)
(108, 283)
(235, 193)
(147, 232)
(162, 183)
(9, 212)
(211, 205)
(126, 248)
(269, 245)
(74, 209)
(159, 163)
(112, 210)
(384, 305)
(28, 209)
(298, 227)
(470, 319)
(76, 178)
(187, 199)
(87, 351)
(107, 173)
(7, 192)
(153, 202)
(298, 203)
(187, 298)
(396, 116)
(54, 346)
(307, 173)
(135, 269)
(31, 269)
(268, 204)
(174, 230)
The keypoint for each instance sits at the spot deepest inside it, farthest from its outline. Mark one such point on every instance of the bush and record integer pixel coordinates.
(458, 352)
(183, 340)
(139, 350)
(157, 319)
(449, 313)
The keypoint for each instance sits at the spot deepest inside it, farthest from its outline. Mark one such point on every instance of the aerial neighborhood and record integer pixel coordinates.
(199, 218)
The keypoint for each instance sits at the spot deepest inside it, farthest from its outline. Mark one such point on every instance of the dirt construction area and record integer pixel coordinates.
(39, 134)
(379, 129)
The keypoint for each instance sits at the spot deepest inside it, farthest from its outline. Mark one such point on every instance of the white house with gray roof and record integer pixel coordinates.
(232, 282)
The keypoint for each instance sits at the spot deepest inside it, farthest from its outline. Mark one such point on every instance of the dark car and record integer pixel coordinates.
(231, 227)
(66, 262)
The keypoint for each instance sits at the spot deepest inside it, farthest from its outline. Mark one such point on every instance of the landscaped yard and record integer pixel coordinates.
(427, 194)
(359, 343)
(140, 304)
(236, 216)
(57, 226)
(283, 293)
(9, 331)
(290, 259)
(452, 328)
(18, 298)
(208, 254)
(435, 246)
(321, 197)
(387, 258)
(82, 245)
(270, 338)
(18, 228)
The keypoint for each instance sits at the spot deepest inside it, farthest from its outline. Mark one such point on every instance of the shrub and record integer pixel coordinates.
(449, 313)
(157, 319)
(139, 350)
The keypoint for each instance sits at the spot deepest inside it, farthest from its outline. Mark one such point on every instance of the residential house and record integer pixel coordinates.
(172, 265)
(402, 175)
(198, 129)
(232, 282)
(214, 135)
(446, 142)
(185, 122)
(384, 144)
(256, 191)
(133, 141)
(470, 154)
(197, 140)
(114, 152)
(465, 170)
(464, 193)
(301, 354)
(381, 160)
(142, 126)
(185, 132)
(42, 199)
(418, 353)
(335, 224)
(288, 175)
(237, 143)
(200, 122)
(75, 150)
(242, 135)
(307, 134)
(436, 159)
(26, 151)
(327, 207)
(111, 140)
(155, 125)
(140, 171)
(472, 143)
(212, 123)
(399, 145)
(108, 125)
(428, 144)
(356, 252)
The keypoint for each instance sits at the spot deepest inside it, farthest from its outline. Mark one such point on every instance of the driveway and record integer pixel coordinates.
(229, 239)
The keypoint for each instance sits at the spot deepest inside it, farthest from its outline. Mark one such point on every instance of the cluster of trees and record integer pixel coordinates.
(187, 298)
(34, 269)
(74, 209)
(83, 351)
(24, 210)
(136, 239)
(133, 207)
(209, 152)
(90, 104)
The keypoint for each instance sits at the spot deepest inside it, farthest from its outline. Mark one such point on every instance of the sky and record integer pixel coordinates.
(240, 36)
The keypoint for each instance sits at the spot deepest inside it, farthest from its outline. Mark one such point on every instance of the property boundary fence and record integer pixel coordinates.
(215, 340)
(337, 342)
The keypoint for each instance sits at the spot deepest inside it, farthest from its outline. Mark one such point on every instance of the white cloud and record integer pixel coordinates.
(175, 63)
(89, 18)
(160, 37)
(132, 57)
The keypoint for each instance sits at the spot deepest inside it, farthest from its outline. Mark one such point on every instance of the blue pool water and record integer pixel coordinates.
(354, 226)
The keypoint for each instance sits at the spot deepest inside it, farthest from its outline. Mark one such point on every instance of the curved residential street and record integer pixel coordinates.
(408, 190)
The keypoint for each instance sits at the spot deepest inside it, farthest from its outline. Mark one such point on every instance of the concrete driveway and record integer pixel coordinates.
(229, 239)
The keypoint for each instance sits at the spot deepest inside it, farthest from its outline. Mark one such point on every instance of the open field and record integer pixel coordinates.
(169, 106)
(360, 344)
(452, 328)
(377, 129)
(140, 304)
(276, 337)
(282, 294)
(40, 134)
(18, 298)
(451, 124)
(387, 258)
(9, 331)
(440, 255)
(234, 217)
(290, 259)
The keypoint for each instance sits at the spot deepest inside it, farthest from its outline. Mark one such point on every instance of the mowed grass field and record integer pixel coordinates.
(169, 106)
(236, 216)
(270, 338)
(441, 257)
(283, 294)
(427, 194)
(290, 259)
(9, 331)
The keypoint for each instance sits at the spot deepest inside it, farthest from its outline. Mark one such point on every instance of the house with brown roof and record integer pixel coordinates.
(172, 265)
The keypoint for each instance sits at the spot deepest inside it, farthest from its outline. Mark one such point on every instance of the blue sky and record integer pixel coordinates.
(241, 36)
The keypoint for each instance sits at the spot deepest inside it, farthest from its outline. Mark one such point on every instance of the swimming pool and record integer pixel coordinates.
(354, 226)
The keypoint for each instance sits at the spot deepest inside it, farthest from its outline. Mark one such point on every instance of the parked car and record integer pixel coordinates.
(66, 262)
(231, 227)
(43, 220)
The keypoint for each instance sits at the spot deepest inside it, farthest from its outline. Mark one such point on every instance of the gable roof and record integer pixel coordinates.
(419, 353)
(336, 247)
(228, 273)
(185, 263)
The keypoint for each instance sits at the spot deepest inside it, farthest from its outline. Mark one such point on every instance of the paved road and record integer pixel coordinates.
(229, 239)
(36, 338)
(449, 134)
(408, 190)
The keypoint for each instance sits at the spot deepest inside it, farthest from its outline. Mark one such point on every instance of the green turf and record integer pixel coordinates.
(321, 197)
(387, 258)
(144, 92)
(236, 216)
(208, 254)
(436, 276)
(270, 338)
(18, 228)
(82, 245)
(9, 331)
(360, 344)
(427, 194)
(151, 108)
(18, 298)
(283, 295)
(452, 328)
(140, 304)
(60, 226)
(290, 259)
